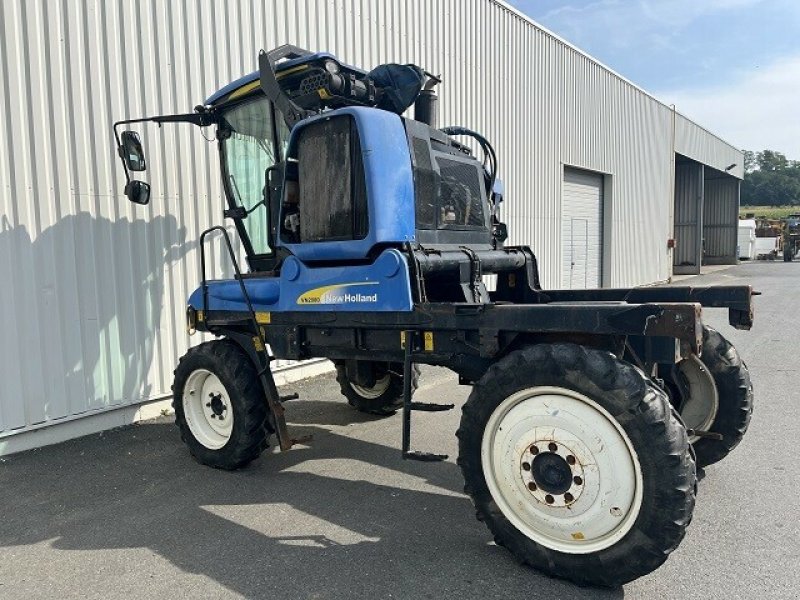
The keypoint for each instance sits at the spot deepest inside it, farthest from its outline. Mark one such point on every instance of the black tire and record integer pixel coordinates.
(655, 432)
(735, 398)
(389, 401)
(787, 254)
(251, 428)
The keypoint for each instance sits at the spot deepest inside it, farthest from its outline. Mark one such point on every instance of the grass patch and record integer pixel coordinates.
(770, 212)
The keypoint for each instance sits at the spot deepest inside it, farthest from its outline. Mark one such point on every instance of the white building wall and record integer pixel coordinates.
(94, 292)
(698, 143)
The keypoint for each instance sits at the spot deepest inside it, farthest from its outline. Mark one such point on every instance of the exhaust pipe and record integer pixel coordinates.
(426, 106)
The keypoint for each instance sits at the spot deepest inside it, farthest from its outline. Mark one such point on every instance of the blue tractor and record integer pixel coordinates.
(368, 237)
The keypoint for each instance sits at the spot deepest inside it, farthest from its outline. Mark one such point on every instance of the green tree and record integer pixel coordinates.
(750, 161)
(770, 160)
(770, 179)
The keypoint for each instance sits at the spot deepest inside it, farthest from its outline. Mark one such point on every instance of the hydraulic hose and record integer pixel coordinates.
(485, 146)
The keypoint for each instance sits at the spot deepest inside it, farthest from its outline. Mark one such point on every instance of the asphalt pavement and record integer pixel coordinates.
(128, 514)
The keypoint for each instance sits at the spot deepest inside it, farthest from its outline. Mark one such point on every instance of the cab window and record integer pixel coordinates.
(248, 150)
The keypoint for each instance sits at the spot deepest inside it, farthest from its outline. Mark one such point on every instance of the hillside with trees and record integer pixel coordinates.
(770, 179)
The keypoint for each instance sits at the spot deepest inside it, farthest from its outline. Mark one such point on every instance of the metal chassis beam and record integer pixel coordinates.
(736, 298)
(471, 331)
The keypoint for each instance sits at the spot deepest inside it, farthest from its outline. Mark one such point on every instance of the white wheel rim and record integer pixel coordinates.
(376, 391)
(700, 409)
(207, 409)
(604, 496)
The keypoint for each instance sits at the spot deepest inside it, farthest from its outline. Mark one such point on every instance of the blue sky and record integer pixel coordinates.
(732, 65)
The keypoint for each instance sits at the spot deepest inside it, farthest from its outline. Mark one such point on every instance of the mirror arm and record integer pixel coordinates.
(202, 117)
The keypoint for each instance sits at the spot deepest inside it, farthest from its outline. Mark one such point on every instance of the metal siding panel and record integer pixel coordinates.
(698, 143)
(115, 277)
(720, 218)
(688, 193)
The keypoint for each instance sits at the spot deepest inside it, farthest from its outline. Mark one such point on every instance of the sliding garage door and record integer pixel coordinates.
(582, 229)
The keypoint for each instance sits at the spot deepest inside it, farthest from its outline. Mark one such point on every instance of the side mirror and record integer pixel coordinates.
(500, 232)
(138, 192)
(498, 191)
(131, 152)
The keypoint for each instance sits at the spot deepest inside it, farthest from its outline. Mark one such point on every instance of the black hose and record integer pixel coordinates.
(487, 148)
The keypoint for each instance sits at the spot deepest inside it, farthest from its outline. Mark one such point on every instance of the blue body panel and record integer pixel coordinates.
(383, 285)
(390, 186)
(255, 75)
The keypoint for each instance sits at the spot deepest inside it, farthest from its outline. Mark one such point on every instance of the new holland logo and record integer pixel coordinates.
(341, 293)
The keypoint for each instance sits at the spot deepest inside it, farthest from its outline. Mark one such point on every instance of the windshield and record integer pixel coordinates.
(248, 152)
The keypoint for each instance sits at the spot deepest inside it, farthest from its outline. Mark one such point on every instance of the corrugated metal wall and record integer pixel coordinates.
(687, 256)
(720, 218)
(93, 316)
(698, 143)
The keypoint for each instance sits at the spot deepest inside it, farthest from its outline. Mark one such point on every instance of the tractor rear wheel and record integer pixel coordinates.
(713, 393)
(385, 396)
(735, 393)
(220, 406)
(577, 464)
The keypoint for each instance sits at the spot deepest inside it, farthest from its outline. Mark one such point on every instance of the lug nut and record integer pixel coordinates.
(549, 499)
(526, 466)
(208, 404)
(568, 497)
(570, 460)
(532, 486)
(534, 449)
(578, 480)
(552, 447)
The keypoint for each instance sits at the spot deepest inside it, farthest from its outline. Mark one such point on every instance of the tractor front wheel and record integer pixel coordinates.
(577, 464)
(220, 406)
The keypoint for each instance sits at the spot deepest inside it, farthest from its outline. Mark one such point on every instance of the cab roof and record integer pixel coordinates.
(249, 83)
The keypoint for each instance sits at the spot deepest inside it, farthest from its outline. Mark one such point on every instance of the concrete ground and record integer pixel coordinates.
(128, 514)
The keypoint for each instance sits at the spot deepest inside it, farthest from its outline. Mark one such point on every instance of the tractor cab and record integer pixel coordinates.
(319, 165)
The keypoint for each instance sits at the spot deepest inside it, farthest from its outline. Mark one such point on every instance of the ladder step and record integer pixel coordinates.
(430, 407)
(424, 456)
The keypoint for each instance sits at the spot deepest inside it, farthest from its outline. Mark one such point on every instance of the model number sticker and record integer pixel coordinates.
(342, 293)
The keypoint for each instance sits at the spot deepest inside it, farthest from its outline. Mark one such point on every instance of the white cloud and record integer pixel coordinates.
(621, 23)
(758, 109)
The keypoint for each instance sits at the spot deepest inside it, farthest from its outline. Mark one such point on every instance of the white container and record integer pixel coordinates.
(766, 245)
(747, 239)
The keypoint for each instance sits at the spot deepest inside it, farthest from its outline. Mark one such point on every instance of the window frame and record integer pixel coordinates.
(258, 261)
(356, 176)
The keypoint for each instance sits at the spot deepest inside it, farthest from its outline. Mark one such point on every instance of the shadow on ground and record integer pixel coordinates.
(343, 517)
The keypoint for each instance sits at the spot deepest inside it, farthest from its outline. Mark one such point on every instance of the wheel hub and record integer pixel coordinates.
(217, 406)
(699, 396)
(207, 409)
(552, 473)
(376, 391)
(561, 469)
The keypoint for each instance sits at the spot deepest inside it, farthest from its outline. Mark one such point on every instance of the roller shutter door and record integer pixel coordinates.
(582, 229)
